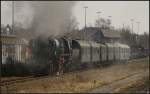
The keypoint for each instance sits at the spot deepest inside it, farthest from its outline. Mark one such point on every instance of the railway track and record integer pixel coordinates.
(14, 80)
(20, 80)
(30, 78)
(24, 79)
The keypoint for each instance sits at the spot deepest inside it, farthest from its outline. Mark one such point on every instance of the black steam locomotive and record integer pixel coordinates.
(64, 54)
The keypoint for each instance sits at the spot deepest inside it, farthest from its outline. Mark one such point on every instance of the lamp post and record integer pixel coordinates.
(132, 21)
(98, 18)
(109, 19)
(85, 7)
(138, 23)
(85, 15)
(12, 16)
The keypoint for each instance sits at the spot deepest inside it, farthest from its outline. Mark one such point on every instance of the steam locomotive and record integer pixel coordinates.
(66, 54)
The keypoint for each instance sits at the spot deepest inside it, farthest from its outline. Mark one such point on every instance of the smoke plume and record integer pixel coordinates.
(43, 17)
(49, 17)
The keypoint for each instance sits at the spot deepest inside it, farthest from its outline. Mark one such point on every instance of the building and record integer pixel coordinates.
(106, 35)
(96, 34)
(6, 29)
(13, 46)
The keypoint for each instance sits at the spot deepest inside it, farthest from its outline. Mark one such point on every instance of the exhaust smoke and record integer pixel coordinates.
(41, 17)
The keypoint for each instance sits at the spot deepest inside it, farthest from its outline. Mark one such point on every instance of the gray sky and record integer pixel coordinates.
(121, 12)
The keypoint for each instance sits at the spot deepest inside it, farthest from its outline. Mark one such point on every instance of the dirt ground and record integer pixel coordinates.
(90, 80)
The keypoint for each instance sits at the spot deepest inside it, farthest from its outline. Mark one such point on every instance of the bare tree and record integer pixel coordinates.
(144, 40)
(126, 36)
(103, 23)
(130, 38)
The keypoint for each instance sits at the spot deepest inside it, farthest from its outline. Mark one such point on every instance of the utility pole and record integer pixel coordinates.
(138, 23)
(109, 19)
(138, 26)
(132, 20)
(85, 15)
(12, 16)
(85, 19)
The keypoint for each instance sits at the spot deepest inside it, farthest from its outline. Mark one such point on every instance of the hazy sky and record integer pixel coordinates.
(121, 12)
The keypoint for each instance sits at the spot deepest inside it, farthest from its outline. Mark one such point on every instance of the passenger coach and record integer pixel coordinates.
(89, 52)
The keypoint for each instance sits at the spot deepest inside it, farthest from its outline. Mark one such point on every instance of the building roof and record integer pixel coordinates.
(100, 34)
(84, 43)
(22, 33)
(13, 39)
(18, 31)
(76, 34)
(93, 34)
(110, 33)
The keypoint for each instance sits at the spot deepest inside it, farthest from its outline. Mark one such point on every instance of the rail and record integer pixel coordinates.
(29, 78)
(14, 80)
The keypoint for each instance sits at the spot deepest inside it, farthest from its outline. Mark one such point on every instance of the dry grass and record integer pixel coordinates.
(136, 87)
(83, 81)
